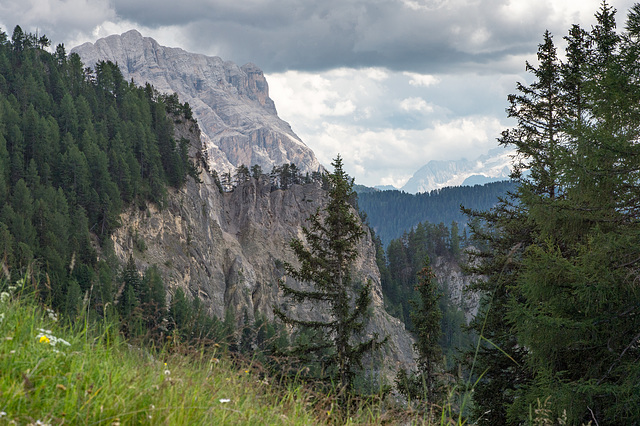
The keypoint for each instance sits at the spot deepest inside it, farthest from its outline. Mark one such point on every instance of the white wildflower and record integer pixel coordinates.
(51, 339)
(4, 296)
(52, 315)
(224, 400)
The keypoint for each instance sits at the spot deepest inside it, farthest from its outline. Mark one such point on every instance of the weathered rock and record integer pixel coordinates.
(451, 277)
(231, 103)
(227, 249)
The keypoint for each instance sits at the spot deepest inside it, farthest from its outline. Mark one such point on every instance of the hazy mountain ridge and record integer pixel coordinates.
(491, 167)
(237, 117)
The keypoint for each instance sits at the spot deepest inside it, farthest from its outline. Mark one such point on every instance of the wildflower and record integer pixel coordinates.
(224, 400)
(2, 414)
(4, 296)
(167, 372)
(246, 371)
(46, 336)
(52, 315)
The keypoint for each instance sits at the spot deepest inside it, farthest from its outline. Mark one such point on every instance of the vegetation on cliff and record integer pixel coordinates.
(76, 147)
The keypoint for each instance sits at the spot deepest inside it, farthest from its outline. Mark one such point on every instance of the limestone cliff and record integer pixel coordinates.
(456, 283)
(238, 119)
(227, 248)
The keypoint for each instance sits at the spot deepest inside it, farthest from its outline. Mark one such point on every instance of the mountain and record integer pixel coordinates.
(385, 188)
(239, 121)
(228, 248)
(491, 167)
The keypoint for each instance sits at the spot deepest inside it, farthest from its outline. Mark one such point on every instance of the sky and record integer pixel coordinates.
(387, 84)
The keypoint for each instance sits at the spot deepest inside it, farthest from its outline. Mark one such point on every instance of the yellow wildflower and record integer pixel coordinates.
(44, 339)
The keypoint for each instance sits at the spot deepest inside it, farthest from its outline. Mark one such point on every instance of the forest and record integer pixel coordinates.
(391, 213)
(77, 146)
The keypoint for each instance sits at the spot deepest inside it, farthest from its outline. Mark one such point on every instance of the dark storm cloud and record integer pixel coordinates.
(429, 36)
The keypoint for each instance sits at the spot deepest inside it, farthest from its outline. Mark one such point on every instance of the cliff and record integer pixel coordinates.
(227, 248)
(231, 103)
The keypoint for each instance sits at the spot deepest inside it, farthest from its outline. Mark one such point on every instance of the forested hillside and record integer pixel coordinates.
(391, 213)
(76, 146)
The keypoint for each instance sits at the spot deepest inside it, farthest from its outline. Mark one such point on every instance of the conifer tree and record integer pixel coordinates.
(326, 259)
(425, 316)
(562, 264)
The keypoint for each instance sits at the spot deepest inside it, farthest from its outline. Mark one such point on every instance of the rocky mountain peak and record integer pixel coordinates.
(490, 167)
(238, 119)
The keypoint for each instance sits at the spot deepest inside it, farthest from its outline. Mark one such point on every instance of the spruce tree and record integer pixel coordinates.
(426, 316)
(326, 259)
(561, 322)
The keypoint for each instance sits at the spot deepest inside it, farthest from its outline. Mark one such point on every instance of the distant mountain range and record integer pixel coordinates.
(494, 166)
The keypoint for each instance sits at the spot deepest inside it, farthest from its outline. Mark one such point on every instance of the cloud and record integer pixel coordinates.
(391, 155)
(424, 80)
(421, 36)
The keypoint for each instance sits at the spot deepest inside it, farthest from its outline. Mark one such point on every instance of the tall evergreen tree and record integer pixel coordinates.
(326, 259)
(563, 253)
(426, 316)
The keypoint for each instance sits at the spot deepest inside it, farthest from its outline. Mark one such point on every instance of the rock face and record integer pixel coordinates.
(227, 249)
(231, 103)
(450, 276)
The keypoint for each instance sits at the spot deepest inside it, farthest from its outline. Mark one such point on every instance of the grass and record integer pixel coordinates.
(51, 373)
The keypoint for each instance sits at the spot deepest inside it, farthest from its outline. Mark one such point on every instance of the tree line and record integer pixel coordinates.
(281, 177)
(391, 213)
(561, 310)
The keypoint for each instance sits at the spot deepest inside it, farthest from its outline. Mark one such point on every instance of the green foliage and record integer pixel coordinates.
(76, 147)
(426, 317)
(326, 257)
(392, 213)
(399, 270)
(561, 313)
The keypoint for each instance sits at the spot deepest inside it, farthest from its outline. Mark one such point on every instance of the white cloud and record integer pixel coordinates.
(424, 80)
(416, 104)
(391, 155)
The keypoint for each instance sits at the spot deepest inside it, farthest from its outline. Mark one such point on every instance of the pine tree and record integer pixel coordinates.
(326, 261)
(425, 316)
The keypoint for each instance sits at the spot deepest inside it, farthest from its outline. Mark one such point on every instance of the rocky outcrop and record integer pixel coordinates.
(456, 283)
(238, 119)
(227, 249)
